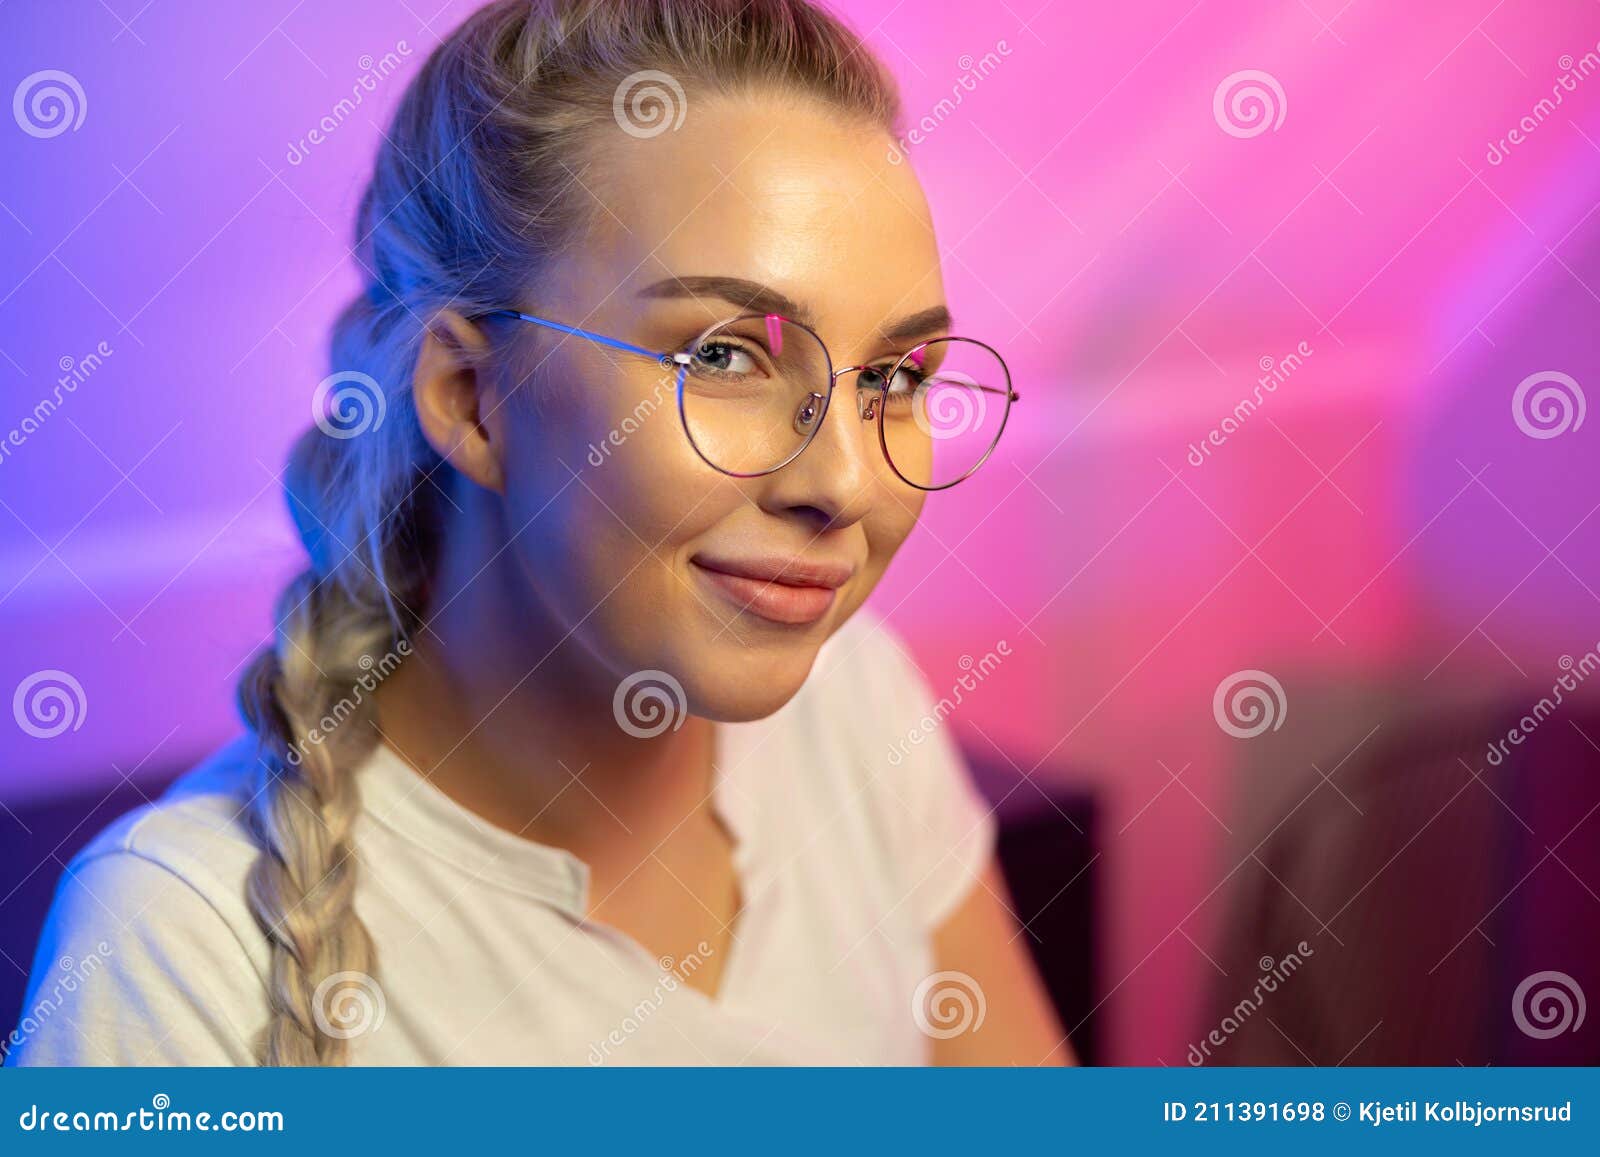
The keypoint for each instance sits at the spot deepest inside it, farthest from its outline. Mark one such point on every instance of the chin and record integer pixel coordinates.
(727, 667)
(730, 682)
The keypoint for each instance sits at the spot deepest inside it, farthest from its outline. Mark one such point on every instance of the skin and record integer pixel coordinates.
(557, 579)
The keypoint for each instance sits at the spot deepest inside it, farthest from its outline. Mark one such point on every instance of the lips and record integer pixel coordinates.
(793, 591)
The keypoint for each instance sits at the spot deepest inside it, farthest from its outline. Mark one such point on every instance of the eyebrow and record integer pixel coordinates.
(758, 298)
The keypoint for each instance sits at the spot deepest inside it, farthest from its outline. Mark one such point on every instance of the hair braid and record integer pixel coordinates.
(302, 813)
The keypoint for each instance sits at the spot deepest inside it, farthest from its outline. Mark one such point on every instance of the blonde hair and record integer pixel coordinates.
(471, 193)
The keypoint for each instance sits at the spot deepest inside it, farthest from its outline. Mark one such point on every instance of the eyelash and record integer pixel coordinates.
(883, 367)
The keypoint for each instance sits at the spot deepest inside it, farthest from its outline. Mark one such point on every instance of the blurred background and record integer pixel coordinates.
(1295, 523)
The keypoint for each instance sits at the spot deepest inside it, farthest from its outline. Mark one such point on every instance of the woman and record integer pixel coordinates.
(573, 746)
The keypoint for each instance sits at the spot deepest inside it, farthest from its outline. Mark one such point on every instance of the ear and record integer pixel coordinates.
(454, 400)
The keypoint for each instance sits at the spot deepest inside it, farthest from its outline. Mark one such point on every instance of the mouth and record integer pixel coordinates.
(792, 591)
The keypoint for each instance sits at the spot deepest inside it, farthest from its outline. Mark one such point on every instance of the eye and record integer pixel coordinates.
(906, 381)
(723, 357)
(903, 383)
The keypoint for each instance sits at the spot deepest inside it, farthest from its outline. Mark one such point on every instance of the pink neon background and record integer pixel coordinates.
(1381, 514)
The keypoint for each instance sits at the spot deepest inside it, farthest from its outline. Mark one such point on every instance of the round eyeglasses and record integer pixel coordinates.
(753, 392)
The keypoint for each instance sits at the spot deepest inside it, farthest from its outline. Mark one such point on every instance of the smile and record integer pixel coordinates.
(790, 591)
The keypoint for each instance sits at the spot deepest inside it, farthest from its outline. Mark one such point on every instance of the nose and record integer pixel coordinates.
(831, 480)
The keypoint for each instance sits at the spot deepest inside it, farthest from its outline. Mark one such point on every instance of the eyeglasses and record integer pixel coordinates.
(753, 391)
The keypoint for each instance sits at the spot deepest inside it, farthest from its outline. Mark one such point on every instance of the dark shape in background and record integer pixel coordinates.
(1431, 887)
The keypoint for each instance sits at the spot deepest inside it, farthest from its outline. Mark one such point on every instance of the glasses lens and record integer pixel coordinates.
(754, 392)
(944, 411)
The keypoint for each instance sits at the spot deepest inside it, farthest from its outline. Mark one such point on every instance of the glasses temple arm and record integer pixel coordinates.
(1015, 397)
(574, 331)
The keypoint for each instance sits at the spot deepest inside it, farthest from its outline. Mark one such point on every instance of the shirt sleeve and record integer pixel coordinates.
(944, 829)
(134, 967)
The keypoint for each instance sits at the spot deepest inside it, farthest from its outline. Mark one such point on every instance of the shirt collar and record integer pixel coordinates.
(409, 804)
(399, 798)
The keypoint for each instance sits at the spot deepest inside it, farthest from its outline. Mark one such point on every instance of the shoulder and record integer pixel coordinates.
(174, 869)
(150, 953)
(196, 830)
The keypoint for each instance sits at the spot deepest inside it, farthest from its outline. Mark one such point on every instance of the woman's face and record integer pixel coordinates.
(634, 545)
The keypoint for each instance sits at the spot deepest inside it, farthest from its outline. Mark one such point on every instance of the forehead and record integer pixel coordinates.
(774, 189)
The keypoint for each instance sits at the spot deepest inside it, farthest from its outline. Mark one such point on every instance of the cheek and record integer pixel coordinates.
(893, 516)
(642, 473)
(611, 486)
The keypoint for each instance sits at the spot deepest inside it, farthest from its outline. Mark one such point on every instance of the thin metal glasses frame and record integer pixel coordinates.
(680, 360)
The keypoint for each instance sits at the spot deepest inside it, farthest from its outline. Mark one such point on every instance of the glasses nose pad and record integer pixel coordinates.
(867, 405)
(807, 416)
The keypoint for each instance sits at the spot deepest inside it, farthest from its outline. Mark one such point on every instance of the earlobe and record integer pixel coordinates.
(454, 404)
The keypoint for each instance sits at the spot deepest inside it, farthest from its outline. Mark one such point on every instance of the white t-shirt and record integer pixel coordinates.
(857, 832)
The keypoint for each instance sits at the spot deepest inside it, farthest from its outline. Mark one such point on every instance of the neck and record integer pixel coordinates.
(506, 711)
